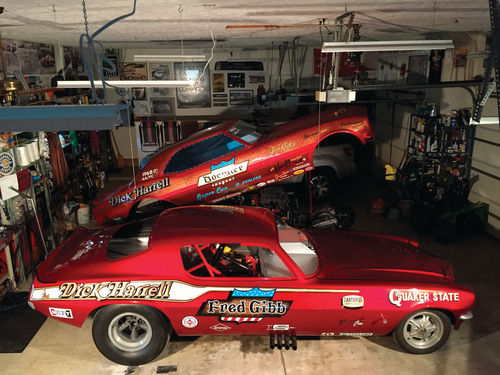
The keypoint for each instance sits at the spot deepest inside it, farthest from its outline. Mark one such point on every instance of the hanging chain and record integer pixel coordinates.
(85, 17)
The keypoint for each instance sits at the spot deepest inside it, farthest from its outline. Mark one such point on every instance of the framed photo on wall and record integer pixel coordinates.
(241, 97)
(198, 95)
(160, 72)
(162, 106)
(218, 84)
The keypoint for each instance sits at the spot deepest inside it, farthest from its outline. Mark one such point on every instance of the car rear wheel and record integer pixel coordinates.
(422, 332)
(130, 334)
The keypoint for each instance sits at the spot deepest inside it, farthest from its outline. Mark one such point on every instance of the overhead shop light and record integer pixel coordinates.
(128, 84)
(386, 45)
(168, 58)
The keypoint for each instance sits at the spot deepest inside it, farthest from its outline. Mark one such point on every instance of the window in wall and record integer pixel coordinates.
(232, 260)
(202, 152)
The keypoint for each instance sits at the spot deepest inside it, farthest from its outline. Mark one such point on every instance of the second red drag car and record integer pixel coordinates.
(217, 270)
(232, 158)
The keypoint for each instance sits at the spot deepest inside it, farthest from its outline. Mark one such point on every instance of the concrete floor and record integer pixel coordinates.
(63, 349)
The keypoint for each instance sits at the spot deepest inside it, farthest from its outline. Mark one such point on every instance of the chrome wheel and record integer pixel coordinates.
(130, 332)
(320, 186)
(423, 330)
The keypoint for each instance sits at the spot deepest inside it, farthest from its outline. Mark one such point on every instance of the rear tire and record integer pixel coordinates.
(130, 334)
(423, 331)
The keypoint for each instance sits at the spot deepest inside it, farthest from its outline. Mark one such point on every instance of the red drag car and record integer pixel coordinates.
(215, 270)
(231, 158)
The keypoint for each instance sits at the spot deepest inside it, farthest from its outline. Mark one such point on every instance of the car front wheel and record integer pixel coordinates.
(322, 183)
(422, 332)
(130, 334)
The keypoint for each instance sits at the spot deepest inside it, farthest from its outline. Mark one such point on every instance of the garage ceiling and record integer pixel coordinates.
(163, 24)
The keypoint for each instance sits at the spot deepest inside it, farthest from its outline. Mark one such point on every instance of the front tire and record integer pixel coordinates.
(423, 331)
(130, 334)
(322, 184)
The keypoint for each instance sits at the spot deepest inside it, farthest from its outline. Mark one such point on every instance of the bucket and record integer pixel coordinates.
(83, 215)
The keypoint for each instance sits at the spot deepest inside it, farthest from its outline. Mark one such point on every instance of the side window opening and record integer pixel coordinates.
(201, 152)
(299, 248)
(232, 260)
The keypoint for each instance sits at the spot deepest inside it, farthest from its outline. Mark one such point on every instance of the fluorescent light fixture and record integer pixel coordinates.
(131, 83)
(167, 58)
(389, 45)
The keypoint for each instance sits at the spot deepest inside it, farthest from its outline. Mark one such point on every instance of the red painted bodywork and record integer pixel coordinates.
(350, 263)
(284, 152)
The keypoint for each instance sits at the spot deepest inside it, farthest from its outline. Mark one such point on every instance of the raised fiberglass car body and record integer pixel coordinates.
(231, 158)
(215, 270)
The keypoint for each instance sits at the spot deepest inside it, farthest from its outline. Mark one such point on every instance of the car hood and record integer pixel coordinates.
(77, 257)
(366, 256)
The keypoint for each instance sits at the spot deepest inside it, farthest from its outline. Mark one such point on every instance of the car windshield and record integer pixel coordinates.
(245, 131)
(299, 248)
(201, 152)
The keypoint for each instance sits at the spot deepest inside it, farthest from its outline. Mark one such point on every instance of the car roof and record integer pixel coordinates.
(199, 224)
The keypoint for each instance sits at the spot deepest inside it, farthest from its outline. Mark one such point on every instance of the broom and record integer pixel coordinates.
(120, 161)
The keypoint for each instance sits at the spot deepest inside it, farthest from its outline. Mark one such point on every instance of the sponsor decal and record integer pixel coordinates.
(222, 172)
(356, 124)
(300, 171)
(327, 333)
(7, 163)
(61, 313)
(354, 323)
(139, 191)
(362, 334)
(280, 148)
(310, 135)
(261, 184)
(199, 197)
(398, 296)
(278, 327)
(302, 166)
(189, 322)
(115, 290)
(220, 327)
(148, 175)
(162, 290)
(353, 302)
(247, 181)
(245, 306)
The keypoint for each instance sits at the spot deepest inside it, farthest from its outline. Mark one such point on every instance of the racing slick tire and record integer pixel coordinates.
(423, 331)
(130, 334)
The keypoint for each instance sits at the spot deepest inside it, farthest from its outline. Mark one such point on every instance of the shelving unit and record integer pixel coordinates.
(440, 153)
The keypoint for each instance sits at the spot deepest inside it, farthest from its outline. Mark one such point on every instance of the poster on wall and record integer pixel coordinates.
(134, 71)
(241, 97)
(163, 106)
(197, 95)
(417, 69)
(139, 93)
(235, 80)
(256, 79)
(73, 59)
(160, 72)
(218, 84)
(28, 58)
